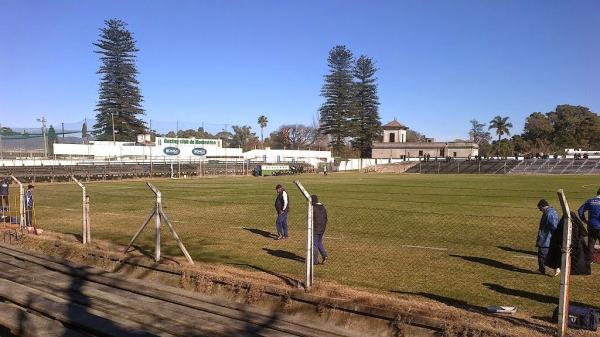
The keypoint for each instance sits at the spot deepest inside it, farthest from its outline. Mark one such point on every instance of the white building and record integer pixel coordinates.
(170, 149)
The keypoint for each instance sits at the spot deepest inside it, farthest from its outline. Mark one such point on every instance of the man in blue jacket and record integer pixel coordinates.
(548, 224)
(592, 206)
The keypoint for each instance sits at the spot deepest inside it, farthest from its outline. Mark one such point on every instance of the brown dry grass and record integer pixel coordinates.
(250, 285)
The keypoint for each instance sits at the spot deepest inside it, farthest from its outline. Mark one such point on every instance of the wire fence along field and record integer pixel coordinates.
(454, 253)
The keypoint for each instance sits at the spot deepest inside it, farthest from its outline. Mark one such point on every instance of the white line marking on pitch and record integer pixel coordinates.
(332, 238)
(423, 247)
(525, 257)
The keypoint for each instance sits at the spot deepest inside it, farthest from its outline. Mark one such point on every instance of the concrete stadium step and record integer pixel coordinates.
(105, 293)
(25, 324)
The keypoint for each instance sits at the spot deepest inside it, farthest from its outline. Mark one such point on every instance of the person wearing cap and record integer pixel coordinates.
(4, 195)
(282, 207)
(548, 225)
(319, 225)
(29, 206)
(592, 207)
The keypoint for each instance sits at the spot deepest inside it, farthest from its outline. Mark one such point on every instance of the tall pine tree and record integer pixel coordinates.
(366, 125)
(120, 100)
(336, 112)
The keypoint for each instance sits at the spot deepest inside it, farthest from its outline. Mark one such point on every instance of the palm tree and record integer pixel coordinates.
(502, 126)
(262, 122)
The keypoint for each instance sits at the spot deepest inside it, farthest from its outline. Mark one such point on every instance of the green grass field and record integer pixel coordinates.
(462, 240)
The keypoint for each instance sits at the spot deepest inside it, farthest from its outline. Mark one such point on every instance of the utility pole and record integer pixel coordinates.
(63, 129)
(112, 116)
(42, 121)
(1, 149)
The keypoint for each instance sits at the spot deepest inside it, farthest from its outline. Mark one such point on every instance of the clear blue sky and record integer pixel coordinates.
(441, 63)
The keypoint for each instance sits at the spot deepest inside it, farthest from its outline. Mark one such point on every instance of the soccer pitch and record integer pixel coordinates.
(465, 240)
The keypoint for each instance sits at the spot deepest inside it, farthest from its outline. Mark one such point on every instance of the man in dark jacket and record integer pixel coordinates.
(319, 225)
(282, 207)
(29, 205)
(592, 206)
(4, 195)
(548, 224)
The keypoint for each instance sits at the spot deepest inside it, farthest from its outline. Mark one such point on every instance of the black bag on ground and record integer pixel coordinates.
(580, 318)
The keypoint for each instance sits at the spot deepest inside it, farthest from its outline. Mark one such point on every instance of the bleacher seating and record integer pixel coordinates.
(557, 166)
(110, 171)
(464, 167)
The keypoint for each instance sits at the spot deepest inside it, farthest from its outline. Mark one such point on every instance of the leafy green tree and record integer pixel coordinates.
(477, 132)
(51, 138)
(336, 112)
(262, 123)
(243, 137)
(538, 126)
(366, 126)
(413, 136)
(226, 137)
(502, 126)
(120, 99)
(575, 127)
(503, 148)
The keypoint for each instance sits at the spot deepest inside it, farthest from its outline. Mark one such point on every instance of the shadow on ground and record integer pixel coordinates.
(494, 263)
(284, 254)
(260, 232)
(516, 250)
(463, 305)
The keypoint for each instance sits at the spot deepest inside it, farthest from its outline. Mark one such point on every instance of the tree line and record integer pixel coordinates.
(550, 133)
(349, 119)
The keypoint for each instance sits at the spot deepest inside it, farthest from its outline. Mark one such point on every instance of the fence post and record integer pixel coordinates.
(158, 212)
(85, 218)
(21, 202)
(565, 267)
(309, 276)
(157, 229)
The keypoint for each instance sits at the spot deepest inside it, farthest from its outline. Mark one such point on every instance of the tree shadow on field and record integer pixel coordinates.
(494, 263)
(463, 305)
(260, 232)
(541, 298)
(451, 302)
(516, 250)
(286, 279)
(284, 254)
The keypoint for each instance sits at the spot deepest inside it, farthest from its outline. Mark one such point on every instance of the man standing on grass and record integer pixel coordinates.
(4, 196)
(319, 223)
(282, 206)
(29, 206)
(592, 206)
(548, 225)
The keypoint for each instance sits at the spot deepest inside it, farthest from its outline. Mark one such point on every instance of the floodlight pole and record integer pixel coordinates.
(309, 276)
(21, 202)
(86, 236)
(565, 266)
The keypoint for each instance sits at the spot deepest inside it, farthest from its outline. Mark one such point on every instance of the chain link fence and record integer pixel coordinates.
(453, 254)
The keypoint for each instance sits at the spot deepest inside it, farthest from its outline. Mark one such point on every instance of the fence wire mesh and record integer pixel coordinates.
(467, 251)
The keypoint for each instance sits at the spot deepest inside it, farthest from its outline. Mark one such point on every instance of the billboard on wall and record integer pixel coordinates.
(199, 151)
(171, 151)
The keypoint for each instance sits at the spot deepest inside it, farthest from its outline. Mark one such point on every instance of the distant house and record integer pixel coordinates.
(395, 145)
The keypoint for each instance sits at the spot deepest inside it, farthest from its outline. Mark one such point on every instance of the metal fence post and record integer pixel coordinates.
(85, 218)
(309, 276)
(157, 234)
(565, 267)
(158, 212)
